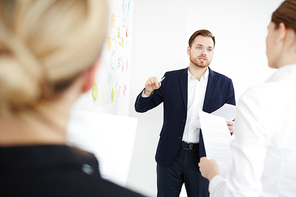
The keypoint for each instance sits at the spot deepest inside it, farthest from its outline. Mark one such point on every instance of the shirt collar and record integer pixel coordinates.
(204, 77)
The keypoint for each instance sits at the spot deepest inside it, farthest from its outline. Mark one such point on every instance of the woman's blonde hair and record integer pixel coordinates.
(44, 46)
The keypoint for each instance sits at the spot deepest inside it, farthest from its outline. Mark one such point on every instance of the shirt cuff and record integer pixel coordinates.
(216, 181)
(144, 95)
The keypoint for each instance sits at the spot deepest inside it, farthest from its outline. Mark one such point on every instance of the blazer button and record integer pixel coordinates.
(179, 137)
(183, 120)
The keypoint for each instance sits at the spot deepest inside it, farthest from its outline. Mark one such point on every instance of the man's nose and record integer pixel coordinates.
(204, 52)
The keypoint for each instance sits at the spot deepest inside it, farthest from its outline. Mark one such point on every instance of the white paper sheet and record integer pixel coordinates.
(109, 137)
(217, 140)
(227, 111)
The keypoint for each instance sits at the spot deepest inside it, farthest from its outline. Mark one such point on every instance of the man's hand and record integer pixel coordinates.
(150, 85)
(230, 125)
(208, 168)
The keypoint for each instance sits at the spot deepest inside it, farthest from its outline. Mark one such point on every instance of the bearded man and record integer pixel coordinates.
(183, 92)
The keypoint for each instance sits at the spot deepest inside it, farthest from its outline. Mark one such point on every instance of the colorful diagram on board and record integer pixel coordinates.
(110, 90)
(112, 80)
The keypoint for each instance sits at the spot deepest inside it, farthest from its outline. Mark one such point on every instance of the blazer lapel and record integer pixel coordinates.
(184, 84)
(210, 87)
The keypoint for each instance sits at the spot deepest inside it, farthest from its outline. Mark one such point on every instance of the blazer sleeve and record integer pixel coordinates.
(230, 97)
(144, 104)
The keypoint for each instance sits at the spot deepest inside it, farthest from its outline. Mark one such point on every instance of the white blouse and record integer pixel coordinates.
(264, 146)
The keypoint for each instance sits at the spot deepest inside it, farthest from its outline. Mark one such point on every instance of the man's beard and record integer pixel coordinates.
(199, 64)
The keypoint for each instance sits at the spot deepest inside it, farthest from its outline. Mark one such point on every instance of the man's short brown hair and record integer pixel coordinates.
(202, 32)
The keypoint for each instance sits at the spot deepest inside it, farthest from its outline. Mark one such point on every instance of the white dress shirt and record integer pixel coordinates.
(196, 95)
(264, 146)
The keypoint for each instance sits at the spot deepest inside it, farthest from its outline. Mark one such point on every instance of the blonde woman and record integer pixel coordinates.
(264, 149)
(48, 53)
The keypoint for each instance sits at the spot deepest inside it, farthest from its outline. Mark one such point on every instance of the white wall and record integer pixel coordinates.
(159, 44)
(160, 35)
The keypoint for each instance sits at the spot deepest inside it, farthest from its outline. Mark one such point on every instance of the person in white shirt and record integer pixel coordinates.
(264, 148)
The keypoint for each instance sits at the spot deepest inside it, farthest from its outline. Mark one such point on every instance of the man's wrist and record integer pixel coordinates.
(147, 93)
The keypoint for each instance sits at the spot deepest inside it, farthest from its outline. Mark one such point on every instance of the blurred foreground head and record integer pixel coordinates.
(44, 46)
(280, 41)
(285, 13)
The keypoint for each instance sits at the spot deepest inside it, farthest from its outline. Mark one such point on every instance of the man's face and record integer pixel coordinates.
(201, 51)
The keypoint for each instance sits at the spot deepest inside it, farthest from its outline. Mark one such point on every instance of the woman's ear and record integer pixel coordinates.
(282, 32)
(90, 76)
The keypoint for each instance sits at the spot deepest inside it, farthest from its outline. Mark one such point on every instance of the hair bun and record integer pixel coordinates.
(17, 88)
(44, 46)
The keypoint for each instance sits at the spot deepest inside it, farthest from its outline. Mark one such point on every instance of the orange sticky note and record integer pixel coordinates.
(109, 43)
(112, 19)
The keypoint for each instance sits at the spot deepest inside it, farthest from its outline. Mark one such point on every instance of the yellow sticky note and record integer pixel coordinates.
(118, 33)
(95, 92)
(112, 19)
(109, 43)
(122, 41)
(112, 95)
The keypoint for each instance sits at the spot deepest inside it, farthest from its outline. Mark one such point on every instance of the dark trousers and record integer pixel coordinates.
(184, 169)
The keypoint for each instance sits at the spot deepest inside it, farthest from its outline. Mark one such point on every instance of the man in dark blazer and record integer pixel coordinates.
(182, 92)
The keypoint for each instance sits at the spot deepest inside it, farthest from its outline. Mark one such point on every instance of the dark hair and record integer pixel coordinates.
(202, 32)
(285, 13)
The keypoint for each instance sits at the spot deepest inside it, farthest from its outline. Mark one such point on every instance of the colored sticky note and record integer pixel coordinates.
(124, 89)
(109, 43)
(112, 95)
(118, 33)
(122, 41)
(95, 92)
(127, 33)
(112, 19)
(118, 93)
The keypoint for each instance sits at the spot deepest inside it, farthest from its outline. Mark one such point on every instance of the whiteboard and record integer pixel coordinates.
(98, 121)
(110, 92)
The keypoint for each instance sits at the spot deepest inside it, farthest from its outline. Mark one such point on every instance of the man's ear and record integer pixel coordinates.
(188, 50)
(90, 76)
(282, 32)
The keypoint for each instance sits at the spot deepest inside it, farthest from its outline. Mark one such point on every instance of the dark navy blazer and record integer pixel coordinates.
(173, 94)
